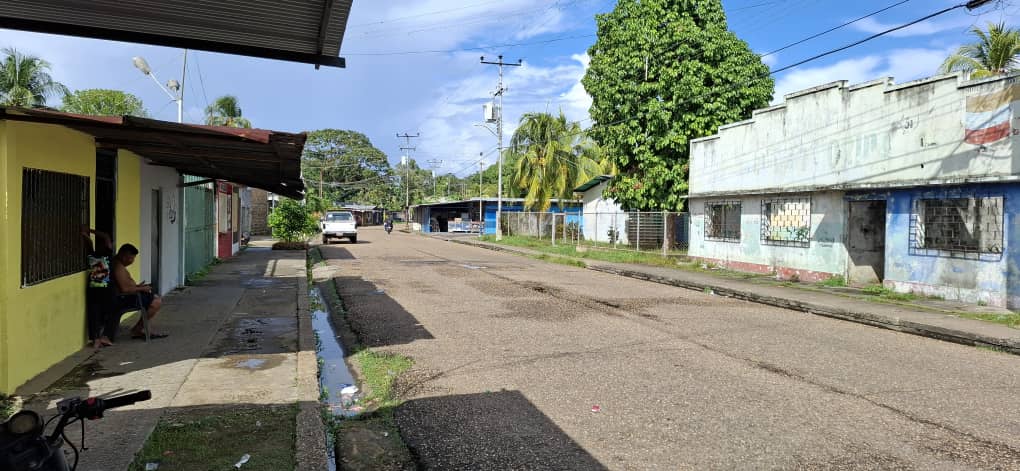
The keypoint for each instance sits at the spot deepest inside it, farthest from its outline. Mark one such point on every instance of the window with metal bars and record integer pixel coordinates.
(54, 208)
(786, 221)
(722, 221)
(957, 227)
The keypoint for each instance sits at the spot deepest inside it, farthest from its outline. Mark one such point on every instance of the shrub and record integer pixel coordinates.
(292, 221)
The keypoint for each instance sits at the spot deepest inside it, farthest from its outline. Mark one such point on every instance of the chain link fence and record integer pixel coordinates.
(648, 231)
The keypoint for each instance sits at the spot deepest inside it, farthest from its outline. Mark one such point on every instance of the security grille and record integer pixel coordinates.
(722, 221)
(967, 227)
(786, 221)
(54, 207)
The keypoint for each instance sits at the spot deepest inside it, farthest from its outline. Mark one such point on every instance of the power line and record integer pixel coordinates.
(969, 5)
(848, 23)
(477, 48)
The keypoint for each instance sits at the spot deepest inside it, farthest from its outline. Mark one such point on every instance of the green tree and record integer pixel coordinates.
(103, 102)
(349, 167)
(226, 111)
(552, 157)
(664, 72)
(25, 81)
(292, 221)
(996, 52)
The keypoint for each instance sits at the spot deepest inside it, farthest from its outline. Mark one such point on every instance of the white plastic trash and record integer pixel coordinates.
(244, 459)
(349, 391)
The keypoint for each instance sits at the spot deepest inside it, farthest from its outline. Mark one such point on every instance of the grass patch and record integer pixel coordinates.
(570, 251)
(834, 282)
(213, 438)
(202, 273)
(1011, 319)
(880, 291)
(378, 370)
(314, 257)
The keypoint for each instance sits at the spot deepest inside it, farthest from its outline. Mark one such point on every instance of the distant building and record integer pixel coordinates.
(476, 214)
(259, 212)
(912, 185)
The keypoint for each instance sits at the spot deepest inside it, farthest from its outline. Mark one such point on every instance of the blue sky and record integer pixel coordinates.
(440, 95)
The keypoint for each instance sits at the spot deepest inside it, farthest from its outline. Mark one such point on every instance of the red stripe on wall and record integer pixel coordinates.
(988, 135)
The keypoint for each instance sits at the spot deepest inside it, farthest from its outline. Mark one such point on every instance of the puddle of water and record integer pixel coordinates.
(473, 267)
(261, 283)
(251, 364)
(333, 374)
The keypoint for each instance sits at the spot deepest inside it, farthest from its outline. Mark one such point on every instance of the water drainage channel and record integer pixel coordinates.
(335, 379)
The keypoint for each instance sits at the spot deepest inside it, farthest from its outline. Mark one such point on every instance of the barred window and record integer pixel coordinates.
(54, 206)
(957, 227)
(722, 221)
(786, 221)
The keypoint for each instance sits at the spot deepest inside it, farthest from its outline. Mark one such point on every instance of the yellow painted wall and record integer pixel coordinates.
(4, 262)
(129, 204)
(44, 323)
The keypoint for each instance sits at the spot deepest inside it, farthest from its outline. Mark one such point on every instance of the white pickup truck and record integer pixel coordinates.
(339, 225)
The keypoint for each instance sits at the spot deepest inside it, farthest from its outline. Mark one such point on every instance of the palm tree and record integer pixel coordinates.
(226, 111)
(553, 156)
(25, 81)
(996, 52)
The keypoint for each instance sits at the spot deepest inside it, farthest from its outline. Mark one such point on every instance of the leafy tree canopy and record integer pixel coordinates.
(103, 102)
(349, 167)
(664, 72)
(292, 221)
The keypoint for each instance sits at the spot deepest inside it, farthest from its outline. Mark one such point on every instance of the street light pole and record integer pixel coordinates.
(172, 84)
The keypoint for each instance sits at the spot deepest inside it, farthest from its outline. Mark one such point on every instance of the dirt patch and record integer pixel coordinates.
(217, 438)
(79, 377)
(258, 335)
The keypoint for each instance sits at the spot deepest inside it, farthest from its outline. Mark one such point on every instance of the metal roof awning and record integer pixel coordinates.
(260, 158)
(593, 183)
(309, 31)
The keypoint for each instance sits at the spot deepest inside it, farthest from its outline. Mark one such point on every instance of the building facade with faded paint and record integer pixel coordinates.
(912, 185)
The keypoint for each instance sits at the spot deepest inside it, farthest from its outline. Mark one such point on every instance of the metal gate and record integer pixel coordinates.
(199, 226)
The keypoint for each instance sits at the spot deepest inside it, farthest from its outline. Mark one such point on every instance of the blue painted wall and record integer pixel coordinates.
(989, 278)
(490, 213)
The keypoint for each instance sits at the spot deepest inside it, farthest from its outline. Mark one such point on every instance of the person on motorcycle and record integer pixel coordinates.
(388, 225)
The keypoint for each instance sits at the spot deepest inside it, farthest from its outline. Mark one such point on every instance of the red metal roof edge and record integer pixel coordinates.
(253, 134)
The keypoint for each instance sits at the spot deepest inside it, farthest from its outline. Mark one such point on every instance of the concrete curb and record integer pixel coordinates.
(1008, 345)
(310, 433)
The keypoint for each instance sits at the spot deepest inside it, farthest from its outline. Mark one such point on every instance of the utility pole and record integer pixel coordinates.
(481, 210)
(434, 164)
(499, 136)
(407, 148)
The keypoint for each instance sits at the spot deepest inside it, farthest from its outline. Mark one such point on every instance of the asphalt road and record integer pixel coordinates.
(511, 354)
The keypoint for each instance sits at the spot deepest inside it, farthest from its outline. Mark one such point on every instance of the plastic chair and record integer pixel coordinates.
(144, 313)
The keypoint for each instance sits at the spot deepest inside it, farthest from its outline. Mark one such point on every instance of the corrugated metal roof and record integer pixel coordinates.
(593, 183)
(298, 30)
(260, 158)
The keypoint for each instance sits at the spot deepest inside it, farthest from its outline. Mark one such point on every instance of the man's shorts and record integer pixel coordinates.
(131, 301)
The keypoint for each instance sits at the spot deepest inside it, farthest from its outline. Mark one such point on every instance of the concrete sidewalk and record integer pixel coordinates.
(236, 339)
(899, 317)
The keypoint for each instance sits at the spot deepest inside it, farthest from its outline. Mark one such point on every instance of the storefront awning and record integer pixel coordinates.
(260, 158)
(309, 31)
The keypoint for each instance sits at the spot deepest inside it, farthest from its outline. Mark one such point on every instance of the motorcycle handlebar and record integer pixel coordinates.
(126, 400)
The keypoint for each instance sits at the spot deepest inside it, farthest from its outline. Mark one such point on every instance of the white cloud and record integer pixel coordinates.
(901, 64)
(771, 60)
(451, 120)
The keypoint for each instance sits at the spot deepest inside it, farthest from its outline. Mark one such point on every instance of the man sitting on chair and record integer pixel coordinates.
(128, 291)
